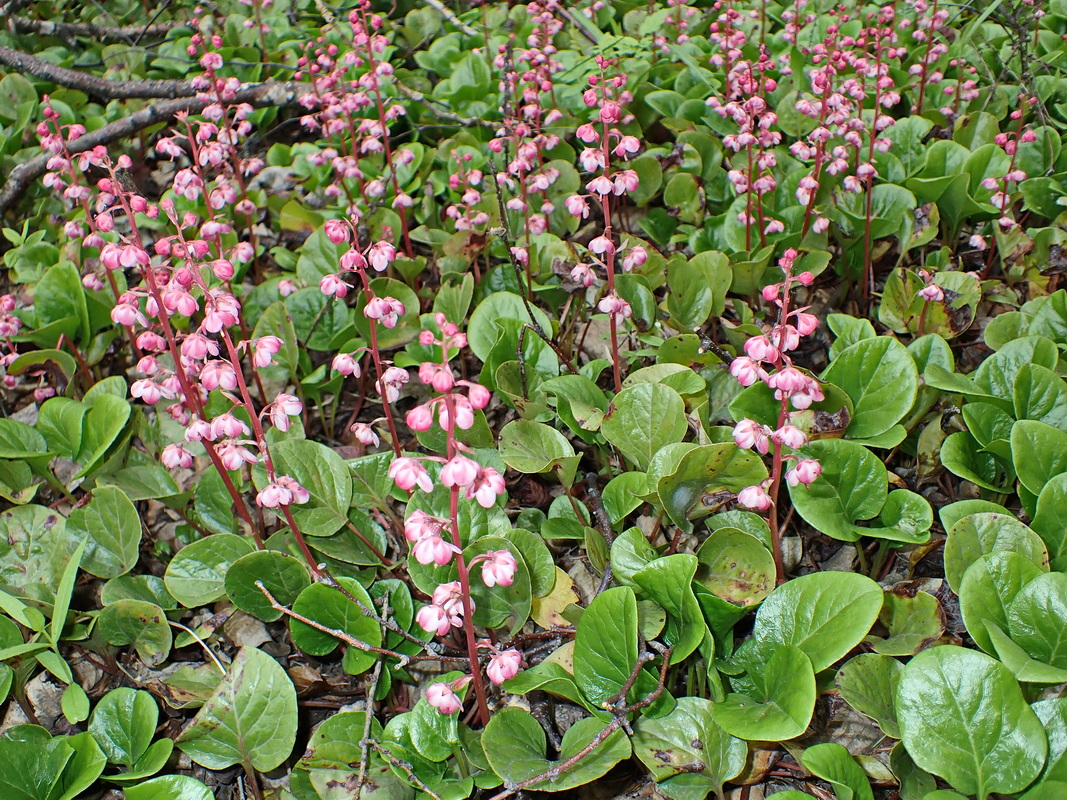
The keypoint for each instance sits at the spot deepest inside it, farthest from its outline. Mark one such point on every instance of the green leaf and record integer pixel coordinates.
(123, 724)
(1039, 452)
(83, 768)
(963, 717)
(250, 719)
(988, 586)
(75, 704)
(667, 581)
(515, 744)
(327, 606)
(64, 593)
(782, 705)
(833, 763)
(283, 576)
(1053, 715)
(912, 622)
(533, 447)
(61, 421)
(824, 614)
(644, 418)
(138, 587)
(1048, 520)
(605, 645)
(701, 474)
(111, 527)
(169, 787)
(735, 566)
(499, 605)
(688, 736)
(697, 288)
(137, 623)
(961, 455)
(483, 330)
(106, 419)
(853, 487)
(1035, 618)
(196, 575)
(59, 297)
(868, 682)
(880, 376)
(1040, 394)
(32, 770)
(978, 534)
(19, 440)
(321, 471)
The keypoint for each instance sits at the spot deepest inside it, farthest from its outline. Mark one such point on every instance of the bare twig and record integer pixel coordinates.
(407, 769)
(256, 94)
(96, 86)
(617, 705)
(447, 13)
(43, 27)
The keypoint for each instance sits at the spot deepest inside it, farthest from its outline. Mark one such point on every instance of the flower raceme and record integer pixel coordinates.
(767, 360)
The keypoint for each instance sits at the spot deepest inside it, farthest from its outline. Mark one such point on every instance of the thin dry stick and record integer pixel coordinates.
(406, 768)
(255, 94)
(448, 14)
(44, 27)
(619, 711)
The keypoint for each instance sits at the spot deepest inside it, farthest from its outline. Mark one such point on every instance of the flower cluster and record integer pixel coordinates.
(766, 359)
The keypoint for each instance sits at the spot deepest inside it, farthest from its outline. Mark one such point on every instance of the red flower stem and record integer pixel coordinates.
(464, 573)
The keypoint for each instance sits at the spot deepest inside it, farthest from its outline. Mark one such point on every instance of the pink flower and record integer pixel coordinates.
(299, 493)
(218, 374)
(282, 408)
(234, 456)
(459, 471)
(577, 206)
(790, 436)
(432, 549)
(807, 324)
(477, 394)
(759, 348)
(750, 434)
(433, 619)
(420, 525)
(499, 568)
(409, 473)
(439, 376)
(420, 418)
(582, 274)
(755, 497)
(274, 495)
(746, 371)
(805, 471)
(381, 255)
(332, 285)
(227, 426)
(174, 455)
(365, 434)
(386, 310)
(390, 383)
(504, 666)
(486, 488)
(336, 231)
(441, 697)
(346, 364)
(932, 293)
(613, 304)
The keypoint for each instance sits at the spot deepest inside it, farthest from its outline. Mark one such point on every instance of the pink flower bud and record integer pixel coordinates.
(755, 497)
(805, 471)
(420, 418)
(441, 697)
(499, 568)
(504, 666)
(459, 471)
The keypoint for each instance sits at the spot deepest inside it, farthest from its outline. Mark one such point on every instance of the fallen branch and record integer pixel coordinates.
(43, 27)
(256, 94)
(101, 88)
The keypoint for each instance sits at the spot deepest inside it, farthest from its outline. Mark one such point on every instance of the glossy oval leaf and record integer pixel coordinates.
(824, 614)
(988, 586)
(644, 418)
(880, 376)
(853, 487)
(282, 575)
(196, 575)
(112, 529)
(979, 534)
(963, 717)
(250, 719)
